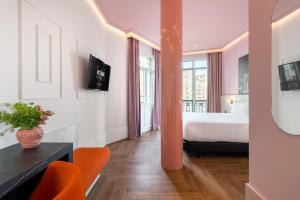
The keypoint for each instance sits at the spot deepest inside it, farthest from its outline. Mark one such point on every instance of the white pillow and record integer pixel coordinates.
(240, 108)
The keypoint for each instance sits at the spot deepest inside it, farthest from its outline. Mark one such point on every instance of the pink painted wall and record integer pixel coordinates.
(274, 155)
(230, 66)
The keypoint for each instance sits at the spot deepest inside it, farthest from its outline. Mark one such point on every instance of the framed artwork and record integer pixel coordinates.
(243, 75)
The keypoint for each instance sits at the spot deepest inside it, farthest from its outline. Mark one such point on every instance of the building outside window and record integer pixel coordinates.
(194, 85)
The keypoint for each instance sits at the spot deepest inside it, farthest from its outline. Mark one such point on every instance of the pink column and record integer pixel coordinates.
(171, 76)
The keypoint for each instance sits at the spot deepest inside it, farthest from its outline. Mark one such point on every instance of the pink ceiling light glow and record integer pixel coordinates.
(207, 25)
(115, 28)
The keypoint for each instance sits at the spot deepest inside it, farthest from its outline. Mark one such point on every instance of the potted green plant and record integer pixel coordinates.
(27, 119)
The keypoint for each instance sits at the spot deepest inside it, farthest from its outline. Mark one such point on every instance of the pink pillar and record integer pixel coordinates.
(171, 76)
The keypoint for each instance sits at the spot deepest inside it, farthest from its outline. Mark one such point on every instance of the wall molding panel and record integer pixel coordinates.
(43, 56)
(40, 54)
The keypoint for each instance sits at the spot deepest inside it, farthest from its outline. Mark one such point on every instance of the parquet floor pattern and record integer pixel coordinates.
(134, 173)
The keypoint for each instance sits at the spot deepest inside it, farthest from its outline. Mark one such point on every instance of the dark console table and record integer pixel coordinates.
(21, 170)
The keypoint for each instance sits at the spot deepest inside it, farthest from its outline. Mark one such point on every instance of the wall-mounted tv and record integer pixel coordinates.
(98, 75)
(289, 76)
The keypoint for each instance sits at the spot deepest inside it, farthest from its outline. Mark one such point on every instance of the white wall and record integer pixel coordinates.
(285, 49)
(95, 114)
(116, 115)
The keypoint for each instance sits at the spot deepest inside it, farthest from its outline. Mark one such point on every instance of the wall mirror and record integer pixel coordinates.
(286, 66)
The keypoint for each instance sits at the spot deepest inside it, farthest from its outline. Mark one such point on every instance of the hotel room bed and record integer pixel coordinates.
(216, 132)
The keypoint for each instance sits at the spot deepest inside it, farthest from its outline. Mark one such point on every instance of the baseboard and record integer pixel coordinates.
(117, 134)
(251, 193)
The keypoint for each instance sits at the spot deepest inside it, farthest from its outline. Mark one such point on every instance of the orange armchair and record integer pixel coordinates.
(61, 181)
(90, 162)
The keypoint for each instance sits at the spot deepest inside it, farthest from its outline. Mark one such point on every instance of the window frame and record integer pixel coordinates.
(150, 70)
(193, 68)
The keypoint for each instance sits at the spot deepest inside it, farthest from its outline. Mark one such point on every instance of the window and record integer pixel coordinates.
(146, 79)
(147, 82)
(194, 83)
(142, 85)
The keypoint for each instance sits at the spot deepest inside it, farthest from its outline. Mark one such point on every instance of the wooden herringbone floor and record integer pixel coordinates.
(134, 172)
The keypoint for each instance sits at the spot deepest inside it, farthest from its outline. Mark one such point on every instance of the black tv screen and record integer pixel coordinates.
(99, 74)
(289, 76)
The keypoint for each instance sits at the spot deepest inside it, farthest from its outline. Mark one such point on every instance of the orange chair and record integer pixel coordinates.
(90, 162)
(61, 181)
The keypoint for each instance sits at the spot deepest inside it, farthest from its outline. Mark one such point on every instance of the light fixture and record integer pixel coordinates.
(230, 100)
(135, 36)
(190, 53)
(102, 18)
(287, 18)
(235, 41)
(138, 37)
(113, 28)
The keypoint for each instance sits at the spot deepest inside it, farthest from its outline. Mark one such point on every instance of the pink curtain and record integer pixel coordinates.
(214, 82)
(134, 114)
(157, 96)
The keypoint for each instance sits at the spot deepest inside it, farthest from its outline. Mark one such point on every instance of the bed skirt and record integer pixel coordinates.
(215, 147)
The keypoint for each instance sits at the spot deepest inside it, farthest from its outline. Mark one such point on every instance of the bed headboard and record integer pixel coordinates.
(226, 101)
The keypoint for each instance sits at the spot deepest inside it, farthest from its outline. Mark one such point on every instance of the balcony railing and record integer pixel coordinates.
(194, 106)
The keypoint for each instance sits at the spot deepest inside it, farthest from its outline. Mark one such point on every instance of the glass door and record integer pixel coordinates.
(147, 81)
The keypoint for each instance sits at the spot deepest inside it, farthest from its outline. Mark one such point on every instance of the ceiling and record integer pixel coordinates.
(284, 7)
(207, 24)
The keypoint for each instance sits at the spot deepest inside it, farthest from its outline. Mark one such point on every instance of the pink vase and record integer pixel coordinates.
(30, 138)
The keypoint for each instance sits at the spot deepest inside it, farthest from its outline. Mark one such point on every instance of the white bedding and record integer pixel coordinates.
(216, 127)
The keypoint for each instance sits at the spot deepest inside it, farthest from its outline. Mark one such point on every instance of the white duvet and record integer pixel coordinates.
(216, 127)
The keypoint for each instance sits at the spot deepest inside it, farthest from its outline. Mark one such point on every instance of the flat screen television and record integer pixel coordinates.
(98, 74)
(290, 76)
